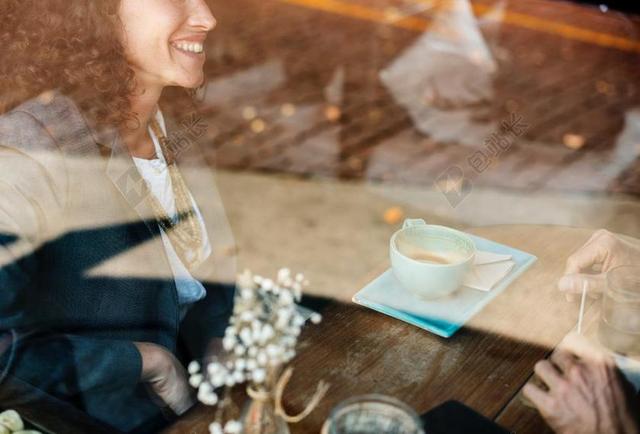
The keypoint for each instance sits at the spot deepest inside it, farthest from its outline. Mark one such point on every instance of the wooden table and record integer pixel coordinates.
(484, 365)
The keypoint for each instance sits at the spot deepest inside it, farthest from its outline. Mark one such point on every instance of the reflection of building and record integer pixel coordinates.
(445, 77)
(572, 94)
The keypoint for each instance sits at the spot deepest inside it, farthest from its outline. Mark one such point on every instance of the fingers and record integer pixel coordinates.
(538, 397)
(594, 252)
(573, 284)
(181, 406)
(547, 373)
(584, 349)
(563, 360)
(179, 396)
(586, 257)
(596, 235)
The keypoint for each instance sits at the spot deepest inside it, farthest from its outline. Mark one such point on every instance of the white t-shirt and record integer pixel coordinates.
(156, 174)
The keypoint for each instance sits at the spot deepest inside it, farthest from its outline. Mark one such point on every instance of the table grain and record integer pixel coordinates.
(484, 365)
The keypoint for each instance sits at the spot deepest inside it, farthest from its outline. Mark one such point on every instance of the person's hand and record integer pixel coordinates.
(600, 254)
(586, 393)
(166, 377)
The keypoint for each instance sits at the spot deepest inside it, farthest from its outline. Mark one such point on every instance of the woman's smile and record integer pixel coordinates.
(193, 52)
(189, 48)
(192, 46)
(165, 43)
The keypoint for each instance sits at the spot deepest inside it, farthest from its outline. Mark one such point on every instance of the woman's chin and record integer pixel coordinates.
(192, 82)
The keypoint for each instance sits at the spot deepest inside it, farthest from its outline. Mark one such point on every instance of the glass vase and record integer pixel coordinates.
(259, 414)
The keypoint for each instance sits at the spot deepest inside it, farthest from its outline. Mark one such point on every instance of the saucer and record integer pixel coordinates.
(446, 315)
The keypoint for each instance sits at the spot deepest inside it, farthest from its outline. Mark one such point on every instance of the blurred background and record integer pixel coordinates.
(329, 121)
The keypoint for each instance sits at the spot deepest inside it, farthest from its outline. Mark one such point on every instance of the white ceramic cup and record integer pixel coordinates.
(430, 260)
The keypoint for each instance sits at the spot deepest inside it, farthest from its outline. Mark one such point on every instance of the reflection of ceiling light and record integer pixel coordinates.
(573, 141)
(332, 113)
(249, 113)
(604, 87)
(258, 126)
(393, 215)
(46, 97)
(288, 110)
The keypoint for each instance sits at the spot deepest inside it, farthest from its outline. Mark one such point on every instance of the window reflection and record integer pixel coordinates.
(317, 128)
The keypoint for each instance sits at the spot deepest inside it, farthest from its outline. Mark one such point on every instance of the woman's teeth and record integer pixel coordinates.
(193, 47)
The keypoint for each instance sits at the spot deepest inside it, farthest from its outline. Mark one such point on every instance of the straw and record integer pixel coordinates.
(581, 315)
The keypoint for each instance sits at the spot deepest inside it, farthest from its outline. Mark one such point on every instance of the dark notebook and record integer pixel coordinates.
(453, 417)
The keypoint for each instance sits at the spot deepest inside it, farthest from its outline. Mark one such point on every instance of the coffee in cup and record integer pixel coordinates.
(430, 260)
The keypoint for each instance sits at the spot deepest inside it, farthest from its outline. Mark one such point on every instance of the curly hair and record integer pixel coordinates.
(69, 45)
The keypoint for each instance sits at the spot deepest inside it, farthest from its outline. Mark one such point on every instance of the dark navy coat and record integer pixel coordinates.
(83, 272)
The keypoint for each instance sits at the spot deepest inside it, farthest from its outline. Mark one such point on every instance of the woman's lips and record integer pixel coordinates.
(188, 46)
(187, 52)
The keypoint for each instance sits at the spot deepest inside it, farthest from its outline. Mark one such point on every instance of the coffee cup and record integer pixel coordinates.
(430, 260)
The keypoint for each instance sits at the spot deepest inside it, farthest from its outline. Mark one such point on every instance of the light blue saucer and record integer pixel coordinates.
(442, 316)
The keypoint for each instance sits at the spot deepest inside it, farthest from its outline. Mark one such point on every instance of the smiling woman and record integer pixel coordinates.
(72, 44)
(112, 271)
(171, 54)
(100, 52)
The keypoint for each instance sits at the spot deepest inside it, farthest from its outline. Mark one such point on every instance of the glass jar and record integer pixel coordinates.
(373, 414)
(619, 328)
(259, 414)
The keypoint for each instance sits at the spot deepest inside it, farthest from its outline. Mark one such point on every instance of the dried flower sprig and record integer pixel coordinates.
(262, 334)
(11, 422)
(231, 427)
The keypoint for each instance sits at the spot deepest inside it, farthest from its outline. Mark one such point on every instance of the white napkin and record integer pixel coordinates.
(488, 269)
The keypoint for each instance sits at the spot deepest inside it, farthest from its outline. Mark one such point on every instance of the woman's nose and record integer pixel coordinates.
(202, 16)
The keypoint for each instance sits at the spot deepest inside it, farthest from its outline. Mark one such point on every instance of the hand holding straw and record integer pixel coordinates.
(581, 314)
